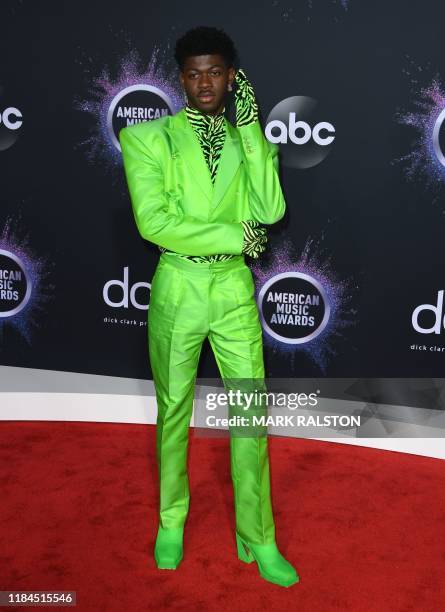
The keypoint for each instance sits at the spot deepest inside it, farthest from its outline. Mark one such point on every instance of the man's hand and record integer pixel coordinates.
(255, 238)
(245, 103)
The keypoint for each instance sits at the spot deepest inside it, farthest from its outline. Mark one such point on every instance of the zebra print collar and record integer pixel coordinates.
(202, 120)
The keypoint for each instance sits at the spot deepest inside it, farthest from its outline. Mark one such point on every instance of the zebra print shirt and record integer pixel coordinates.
(211, 132)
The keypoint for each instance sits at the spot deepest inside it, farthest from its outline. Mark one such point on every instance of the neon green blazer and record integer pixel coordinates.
(174, 201)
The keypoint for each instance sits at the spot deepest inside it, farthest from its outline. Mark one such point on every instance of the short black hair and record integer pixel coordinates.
(205, 40)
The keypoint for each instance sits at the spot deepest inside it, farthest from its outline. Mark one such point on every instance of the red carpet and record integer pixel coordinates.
(364, 528)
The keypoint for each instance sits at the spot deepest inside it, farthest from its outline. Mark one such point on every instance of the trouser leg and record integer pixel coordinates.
(177, 327)
(236, 339)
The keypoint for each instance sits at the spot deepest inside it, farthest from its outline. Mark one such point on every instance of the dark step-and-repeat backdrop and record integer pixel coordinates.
(353, 281)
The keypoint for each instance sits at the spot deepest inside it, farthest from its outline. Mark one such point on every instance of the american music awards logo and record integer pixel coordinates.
(294, 307)
(426, 160)
(136, 104)
(24, 283)
(15, 284)
(133, 96)
(303, 304)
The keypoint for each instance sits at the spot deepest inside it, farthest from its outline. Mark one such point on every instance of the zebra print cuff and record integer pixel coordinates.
(254, 238)
(246, 107)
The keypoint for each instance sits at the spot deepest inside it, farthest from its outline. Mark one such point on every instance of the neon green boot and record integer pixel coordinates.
(271, 563)
(168, 548)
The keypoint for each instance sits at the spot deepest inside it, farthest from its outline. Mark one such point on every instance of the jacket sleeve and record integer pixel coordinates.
(181, 233)
(266, 199)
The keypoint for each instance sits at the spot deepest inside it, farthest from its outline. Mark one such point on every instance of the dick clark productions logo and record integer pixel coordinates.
(293, 307)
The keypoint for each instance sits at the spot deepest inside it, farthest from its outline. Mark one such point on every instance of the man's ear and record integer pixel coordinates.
(231, 74)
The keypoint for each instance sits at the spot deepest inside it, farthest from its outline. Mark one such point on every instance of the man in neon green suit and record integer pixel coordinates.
(201, 190)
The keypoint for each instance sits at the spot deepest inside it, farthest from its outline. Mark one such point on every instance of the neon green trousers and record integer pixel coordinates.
(190, 302)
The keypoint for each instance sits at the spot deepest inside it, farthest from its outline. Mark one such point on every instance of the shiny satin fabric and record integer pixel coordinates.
(174, 201)
(190, 302)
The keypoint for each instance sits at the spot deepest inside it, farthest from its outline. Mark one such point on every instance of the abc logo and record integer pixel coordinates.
(304, 136)
(10, 122)
(11, 118)
(307, 133)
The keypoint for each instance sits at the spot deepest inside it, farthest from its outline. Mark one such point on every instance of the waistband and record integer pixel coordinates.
(191, 266)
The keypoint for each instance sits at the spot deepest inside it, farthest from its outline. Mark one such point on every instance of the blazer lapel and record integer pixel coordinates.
(182, 134)
(228, 164)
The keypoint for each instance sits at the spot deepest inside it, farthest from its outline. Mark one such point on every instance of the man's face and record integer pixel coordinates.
(206, 74)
